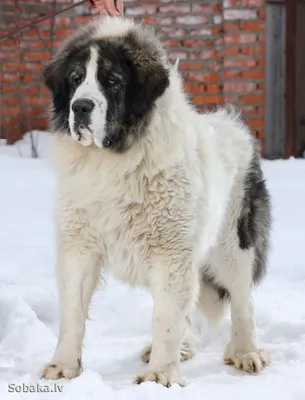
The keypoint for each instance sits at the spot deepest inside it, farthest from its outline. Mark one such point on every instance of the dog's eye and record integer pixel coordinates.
(76, 80)
(114, 83)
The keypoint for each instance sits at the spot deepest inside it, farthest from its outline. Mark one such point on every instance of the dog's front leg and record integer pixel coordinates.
(174, 290)
(78, 270)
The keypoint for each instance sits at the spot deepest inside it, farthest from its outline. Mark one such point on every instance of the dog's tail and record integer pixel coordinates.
(213, 302)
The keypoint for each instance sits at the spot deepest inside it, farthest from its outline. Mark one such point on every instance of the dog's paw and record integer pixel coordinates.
(252, 362)
(59, 370)
(186, 352)
(164, 378)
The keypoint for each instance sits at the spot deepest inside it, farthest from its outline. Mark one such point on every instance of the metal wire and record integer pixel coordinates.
(35, 22)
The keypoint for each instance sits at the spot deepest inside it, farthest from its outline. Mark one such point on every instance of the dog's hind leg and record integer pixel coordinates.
(78, 272)
(242, 351)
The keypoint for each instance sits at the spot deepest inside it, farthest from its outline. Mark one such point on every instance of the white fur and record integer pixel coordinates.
(156, 215)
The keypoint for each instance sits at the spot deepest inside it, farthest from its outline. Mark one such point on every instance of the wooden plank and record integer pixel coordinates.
(274, 144)
(300, 81)
(290, 76)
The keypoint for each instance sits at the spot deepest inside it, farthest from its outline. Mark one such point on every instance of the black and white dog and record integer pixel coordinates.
(165, 197)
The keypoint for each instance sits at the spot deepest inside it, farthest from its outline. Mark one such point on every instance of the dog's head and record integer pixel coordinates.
(105, 82)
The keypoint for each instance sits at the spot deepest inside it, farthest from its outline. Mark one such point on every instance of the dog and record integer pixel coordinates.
(167, 198)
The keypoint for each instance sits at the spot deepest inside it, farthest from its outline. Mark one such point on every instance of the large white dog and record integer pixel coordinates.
(167, 198)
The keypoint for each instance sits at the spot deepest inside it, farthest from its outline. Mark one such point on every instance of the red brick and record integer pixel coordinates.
(64, 32)
(253, 74)
(261, 86)
(253, 3)
(203, 8)
(9, 43)
(175, 8)
(10, 67)
(231, 98)
(231, 26)
(253, 50)
(80, 20)
(261, 62)
(9, 100)
(205, 77)
(210, 99)
(239, 62)
(216, 30)
(240, 38)
(231, 74)
(32, 32)
(192, 20)
(173, 33)
(193, 43)
(253, 26)
(31, 67)
(10, 121)
(261, 110)
(241, 87)
(249, 110)
(36, 101)
(230, 3)
(10, 111)
(13, 54)
(205, 54)
(9, 77)
(33, 44)
(191, 65)
(171, 43)
(142, 9)
(6, 89)
(27, 78)
(231, 51)
(253, 98)
(66, 21)
(39, 56)
(157, 21)
(201, 32)
(213, 88)
(194, 88)
(256, 122)
(243, 14)
(29, 90)
(45, 90)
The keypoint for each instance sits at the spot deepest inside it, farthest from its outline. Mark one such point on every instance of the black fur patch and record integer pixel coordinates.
(131, 62)
(222, 291)
(254, 223)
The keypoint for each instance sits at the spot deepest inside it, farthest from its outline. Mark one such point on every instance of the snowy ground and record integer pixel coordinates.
(120, 316)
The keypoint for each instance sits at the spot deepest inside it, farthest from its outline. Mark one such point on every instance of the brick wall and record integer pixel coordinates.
(220, 44)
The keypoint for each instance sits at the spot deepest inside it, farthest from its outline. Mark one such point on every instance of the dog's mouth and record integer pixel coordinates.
(82, 129)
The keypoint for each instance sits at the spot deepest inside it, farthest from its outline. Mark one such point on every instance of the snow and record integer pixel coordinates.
(119, 324)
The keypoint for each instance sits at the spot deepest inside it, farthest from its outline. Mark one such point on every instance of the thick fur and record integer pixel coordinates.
(165, 197)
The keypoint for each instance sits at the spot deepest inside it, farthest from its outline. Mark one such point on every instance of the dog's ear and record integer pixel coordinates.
(54, 76)
(150, 78)
(49, 73)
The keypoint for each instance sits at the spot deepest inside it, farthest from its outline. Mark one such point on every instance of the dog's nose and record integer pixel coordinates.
(82, 107)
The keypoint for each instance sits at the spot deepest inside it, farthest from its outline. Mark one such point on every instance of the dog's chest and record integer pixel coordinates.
(118, 213)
